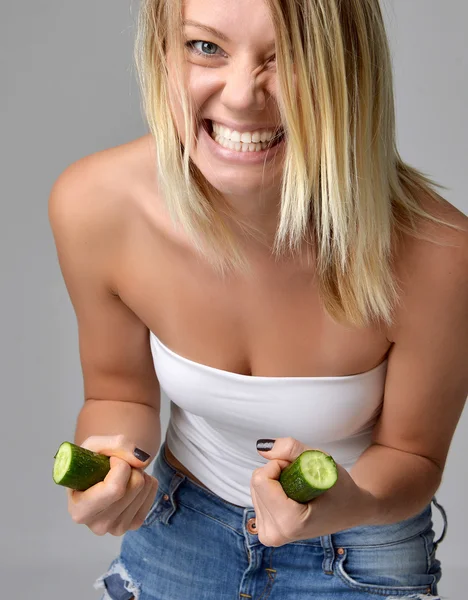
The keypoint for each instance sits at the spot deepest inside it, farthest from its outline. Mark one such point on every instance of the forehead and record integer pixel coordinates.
(246, 19)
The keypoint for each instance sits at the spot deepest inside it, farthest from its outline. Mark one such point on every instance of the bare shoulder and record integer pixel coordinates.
(93, 199)
(440, 249)
(432, 270)
(89, 209)
(102, 183)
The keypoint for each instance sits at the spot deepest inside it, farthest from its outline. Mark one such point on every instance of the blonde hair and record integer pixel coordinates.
(346, 192)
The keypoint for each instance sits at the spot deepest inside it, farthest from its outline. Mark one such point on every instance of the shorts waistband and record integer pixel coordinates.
(165, 473)
(204, 500)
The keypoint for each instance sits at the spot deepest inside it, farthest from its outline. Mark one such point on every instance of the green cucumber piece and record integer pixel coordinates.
(78, 468)
(312, 473)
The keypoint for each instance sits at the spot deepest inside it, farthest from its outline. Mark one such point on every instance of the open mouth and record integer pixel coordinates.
(244, 146)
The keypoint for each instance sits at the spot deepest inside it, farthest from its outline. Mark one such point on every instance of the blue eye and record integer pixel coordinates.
(208, 48)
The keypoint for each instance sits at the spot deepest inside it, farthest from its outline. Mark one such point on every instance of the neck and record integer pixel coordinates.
(255, 217)
(255, 226)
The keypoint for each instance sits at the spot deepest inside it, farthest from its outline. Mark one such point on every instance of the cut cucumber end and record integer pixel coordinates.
(318, 469)
(312, 473)
(62, 462)
(78, 468)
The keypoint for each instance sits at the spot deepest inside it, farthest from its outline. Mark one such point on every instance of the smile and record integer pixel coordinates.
(248, 141)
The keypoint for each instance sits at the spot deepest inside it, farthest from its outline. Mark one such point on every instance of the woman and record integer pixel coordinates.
(267, 260)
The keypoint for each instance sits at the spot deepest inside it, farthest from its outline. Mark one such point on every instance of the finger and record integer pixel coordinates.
(268, 529)
(145, 505)
(112, 514)
(258, 511)
(271, 470)
(101, 495)
(124, 519)
(267, 488)
(285, 449)
(116, 445)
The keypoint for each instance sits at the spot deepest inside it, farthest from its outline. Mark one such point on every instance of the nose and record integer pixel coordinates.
(243, 90)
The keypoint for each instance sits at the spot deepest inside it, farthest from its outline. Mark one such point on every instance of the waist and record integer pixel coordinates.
(223, 459)
(201, 499)
(178, 466)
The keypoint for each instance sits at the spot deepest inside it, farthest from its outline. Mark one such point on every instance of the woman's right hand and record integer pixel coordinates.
(122, 501)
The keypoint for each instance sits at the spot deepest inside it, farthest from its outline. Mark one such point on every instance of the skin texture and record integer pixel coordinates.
(238, 82)
(128, 271)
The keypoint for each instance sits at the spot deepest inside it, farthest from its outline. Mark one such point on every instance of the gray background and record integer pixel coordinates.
(67, 90)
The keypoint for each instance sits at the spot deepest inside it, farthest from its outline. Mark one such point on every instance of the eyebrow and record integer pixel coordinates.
(212, 30)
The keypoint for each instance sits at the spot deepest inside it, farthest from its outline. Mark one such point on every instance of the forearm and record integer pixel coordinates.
(138, 422)
(401, 483)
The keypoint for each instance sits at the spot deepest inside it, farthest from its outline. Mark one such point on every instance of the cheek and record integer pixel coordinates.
(173, 93)
(202, 85)
(176, 108)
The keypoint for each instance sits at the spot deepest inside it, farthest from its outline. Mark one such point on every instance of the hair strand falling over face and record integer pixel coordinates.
(346, 192)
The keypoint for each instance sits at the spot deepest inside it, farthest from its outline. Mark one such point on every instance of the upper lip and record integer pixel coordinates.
(244, 127)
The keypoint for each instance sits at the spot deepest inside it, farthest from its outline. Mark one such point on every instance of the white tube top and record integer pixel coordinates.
(217, 417)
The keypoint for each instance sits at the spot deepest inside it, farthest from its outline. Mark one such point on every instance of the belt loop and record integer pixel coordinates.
(176, 480)
(328, 554)
(444, 517)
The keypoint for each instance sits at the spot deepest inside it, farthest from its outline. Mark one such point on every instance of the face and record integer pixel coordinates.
(231, 80)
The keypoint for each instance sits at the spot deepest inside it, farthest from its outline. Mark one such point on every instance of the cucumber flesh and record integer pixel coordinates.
(312, 473)
(78, 468)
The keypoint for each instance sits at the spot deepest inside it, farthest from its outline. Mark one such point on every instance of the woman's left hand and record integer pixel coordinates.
(281, 520)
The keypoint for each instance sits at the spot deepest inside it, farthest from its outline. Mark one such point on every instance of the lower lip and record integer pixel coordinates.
(233, 156)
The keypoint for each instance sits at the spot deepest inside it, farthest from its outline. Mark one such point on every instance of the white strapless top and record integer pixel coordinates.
(217, 417)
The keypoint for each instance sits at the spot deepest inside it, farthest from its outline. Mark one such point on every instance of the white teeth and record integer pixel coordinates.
(238, 146)
(248, 137)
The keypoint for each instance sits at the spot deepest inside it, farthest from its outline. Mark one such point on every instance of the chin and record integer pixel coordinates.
(235, 186)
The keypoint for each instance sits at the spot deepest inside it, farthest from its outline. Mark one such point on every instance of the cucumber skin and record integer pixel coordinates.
(86, 469)
(294, 485)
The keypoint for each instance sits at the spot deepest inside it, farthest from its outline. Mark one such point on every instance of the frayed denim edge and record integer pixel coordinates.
(117, 567)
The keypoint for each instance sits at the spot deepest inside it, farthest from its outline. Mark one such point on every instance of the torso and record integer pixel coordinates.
(268, 324)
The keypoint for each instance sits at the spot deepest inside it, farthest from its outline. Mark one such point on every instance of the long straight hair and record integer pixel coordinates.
(346, 192)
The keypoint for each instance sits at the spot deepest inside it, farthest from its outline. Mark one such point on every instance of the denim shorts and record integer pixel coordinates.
(194, 545)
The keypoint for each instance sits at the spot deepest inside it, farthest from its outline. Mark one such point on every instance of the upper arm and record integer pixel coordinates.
(87, 224)
(427, 377)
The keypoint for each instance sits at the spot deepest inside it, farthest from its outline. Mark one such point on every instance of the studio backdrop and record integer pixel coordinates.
(68, 89)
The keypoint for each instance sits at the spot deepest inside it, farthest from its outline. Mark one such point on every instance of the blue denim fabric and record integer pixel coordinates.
(194, 545)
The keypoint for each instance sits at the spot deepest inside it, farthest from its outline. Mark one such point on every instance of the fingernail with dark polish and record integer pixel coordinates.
(265, 445)
(143, 456)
